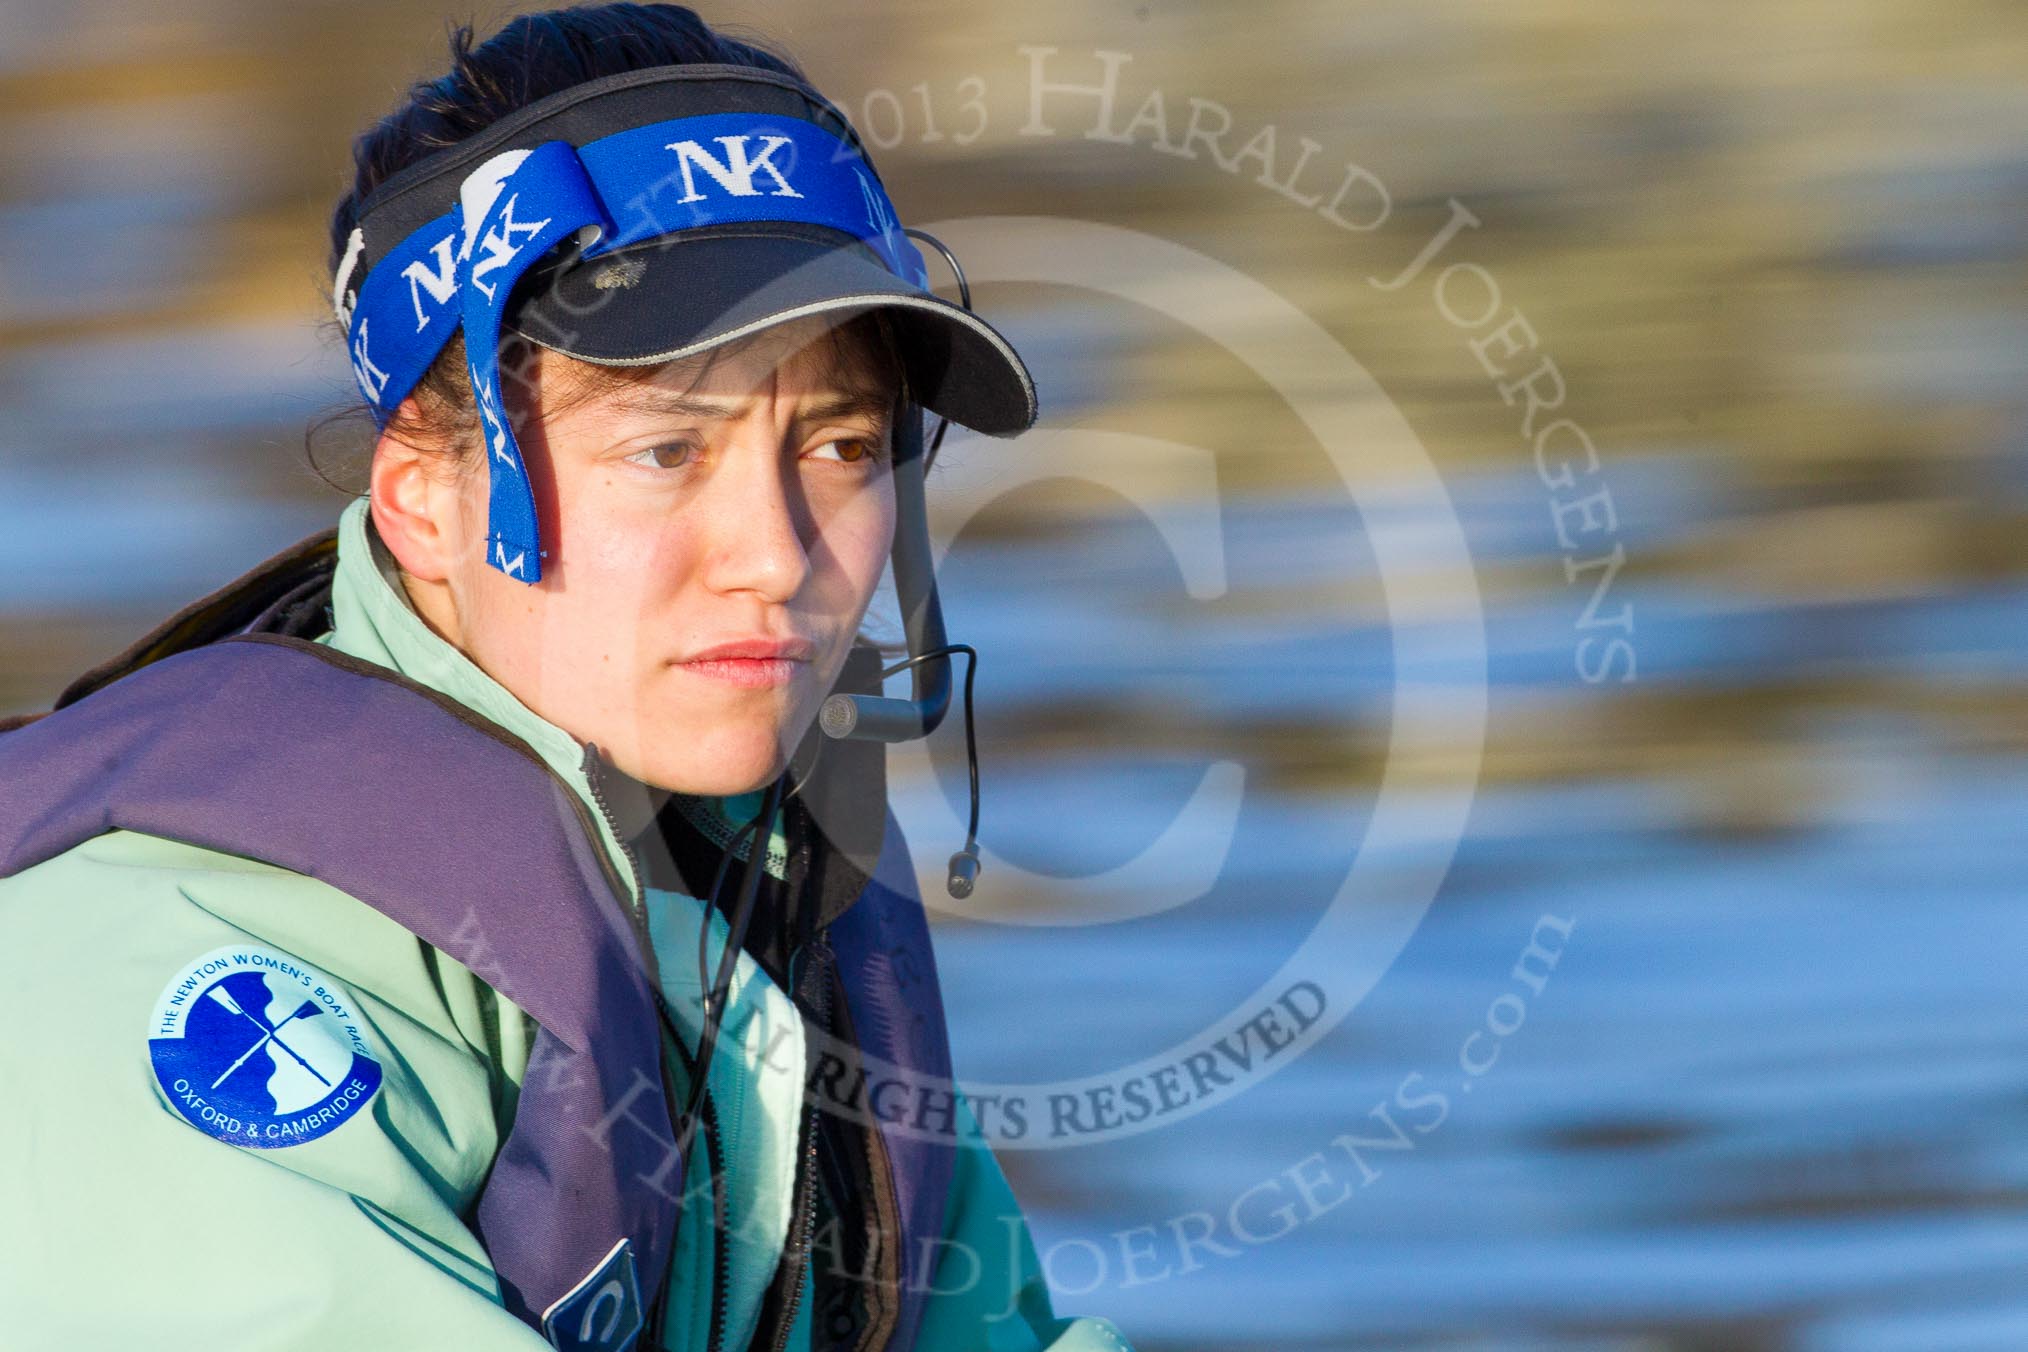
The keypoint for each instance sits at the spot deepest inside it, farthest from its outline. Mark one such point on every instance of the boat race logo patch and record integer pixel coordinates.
(260, 1049)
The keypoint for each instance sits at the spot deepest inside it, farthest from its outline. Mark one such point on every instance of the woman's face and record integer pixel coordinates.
(679, 516)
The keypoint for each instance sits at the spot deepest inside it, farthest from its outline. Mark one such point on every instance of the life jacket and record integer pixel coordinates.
(228, 728)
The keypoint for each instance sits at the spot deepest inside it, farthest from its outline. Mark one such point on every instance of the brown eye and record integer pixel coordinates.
(671, 455)
(851, 450)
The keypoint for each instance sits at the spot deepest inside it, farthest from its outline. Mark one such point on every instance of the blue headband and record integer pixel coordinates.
(459, 269)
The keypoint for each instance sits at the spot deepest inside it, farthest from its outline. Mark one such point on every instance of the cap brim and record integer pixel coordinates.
(675, 296)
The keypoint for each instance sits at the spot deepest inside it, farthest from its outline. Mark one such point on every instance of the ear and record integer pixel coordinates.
(415, 505)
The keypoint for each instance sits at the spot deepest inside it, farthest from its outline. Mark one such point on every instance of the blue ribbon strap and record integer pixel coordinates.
(515, 207)
(407, 310)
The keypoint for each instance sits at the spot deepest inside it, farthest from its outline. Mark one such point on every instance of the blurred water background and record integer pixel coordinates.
(1772, 1093)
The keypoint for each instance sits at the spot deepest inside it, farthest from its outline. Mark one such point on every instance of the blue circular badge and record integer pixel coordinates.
(260, 1049)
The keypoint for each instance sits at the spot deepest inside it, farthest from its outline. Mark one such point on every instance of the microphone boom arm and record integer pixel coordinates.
(880, 718)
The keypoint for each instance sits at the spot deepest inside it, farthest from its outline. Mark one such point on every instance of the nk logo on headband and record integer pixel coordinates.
(735, 172)
(436, 273)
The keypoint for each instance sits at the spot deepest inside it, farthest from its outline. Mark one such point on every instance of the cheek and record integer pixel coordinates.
(621, 554)
(607, 574)
(857, 539)
(615, 539)
(626, 562)
(503, 625)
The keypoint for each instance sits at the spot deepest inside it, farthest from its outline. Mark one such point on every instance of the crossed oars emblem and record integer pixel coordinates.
(269, 1033)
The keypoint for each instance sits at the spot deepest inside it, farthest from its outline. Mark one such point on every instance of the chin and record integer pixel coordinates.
(721, 763)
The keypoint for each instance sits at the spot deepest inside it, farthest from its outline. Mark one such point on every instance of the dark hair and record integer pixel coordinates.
(534, 56)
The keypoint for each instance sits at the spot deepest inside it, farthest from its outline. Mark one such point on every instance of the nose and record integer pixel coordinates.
(759, 522)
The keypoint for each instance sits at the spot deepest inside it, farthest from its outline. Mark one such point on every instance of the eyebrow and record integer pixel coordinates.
(652, 399)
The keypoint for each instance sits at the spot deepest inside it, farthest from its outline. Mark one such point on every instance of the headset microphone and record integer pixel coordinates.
(880, 718)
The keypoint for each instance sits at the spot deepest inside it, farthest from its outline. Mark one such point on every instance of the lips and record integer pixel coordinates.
(751, 663)
(788, 649)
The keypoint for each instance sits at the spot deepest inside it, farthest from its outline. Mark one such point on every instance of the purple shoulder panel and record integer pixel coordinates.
(287, 751)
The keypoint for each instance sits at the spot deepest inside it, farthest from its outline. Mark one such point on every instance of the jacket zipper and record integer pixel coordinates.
(817, 953)
(713, 1145)
(593, 771)
(883, 1218)
(721, 1276)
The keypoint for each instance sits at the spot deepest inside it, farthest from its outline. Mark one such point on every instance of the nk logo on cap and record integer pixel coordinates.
(260, 1049)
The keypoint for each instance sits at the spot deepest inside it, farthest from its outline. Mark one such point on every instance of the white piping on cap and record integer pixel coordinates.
(904, 300)
(341, 304)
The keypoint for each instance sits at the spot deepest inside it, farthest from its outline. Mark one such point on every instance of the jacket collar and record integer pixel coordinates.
(373, 619)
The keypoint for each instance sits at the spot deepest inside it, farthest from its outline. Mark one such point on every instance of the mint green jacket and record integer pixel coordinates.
(128, 1227)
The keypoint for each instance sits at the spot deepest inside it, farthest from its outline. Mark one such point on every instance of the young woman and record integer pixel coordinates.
(457, 931)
